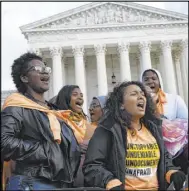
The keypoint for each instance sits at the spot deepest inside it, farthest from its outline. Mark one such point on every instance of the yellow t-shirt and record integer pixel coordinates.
(141, 161)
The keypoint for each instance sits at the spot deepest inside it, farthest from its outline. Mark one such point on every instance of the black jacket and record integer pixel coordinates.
(27, 139)
(105, 157)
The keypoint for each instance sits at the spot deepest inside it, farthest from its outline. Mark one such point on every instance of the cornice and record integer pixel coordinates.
(89, 6)
(153, 9)
(104, 28)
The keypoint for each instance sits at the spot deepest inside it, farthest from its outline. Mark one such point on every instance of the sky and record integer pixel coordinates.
(16, 14)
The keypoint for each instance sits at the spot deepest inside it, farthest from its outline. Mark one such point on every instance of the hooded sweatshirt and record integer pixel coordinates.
(102, 100)
(175, 106)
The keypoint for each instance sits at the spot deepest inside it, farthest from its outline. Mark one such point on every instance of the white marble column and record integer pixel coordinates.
(144, 48)
(161, 67)
(56, 53)
(160, 58)
(101, 69)
(125, 70)
(184, 68)
(64, 70)
(138, 64)
(169, 81)
(184, 48)
(176, 57)
(80, 80)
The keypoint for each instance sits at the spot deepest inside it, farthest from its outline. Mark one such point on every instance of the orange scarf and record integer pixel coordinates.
(161, 102)
(19, 100)
(95, 124)
(77, 122)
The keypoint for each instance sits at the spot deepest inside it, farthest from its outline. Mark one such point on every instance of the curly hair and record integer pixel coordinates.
(19, 67)
(115, 100)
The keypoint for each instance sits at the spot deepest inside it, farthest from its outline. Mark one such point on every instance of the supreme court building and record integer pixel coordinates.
(90, 44)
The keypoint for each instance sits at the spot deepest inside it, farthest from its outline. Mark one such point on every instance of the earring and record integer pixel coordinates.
(122, 108)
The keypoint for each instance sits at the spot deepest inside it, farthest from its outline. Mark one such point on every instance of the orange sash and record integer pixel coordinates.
(19, 100)
(77, 122)
(161, 102)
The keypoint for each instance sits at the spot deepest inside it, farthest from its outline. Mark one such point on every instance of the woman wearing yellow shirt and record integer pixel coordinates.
(127, 151)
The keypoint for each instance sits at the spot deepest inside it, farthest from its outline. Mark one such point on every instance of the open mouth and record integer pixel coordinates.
(91, 114)
(141, 105)
(45, 79)
(152, 87)
(79, 104)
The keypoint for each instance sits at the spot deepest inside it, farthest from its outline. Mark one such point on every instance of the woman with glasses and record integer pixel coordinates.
(96, 112)
(126, 151)
(96, 109)
(34, 135)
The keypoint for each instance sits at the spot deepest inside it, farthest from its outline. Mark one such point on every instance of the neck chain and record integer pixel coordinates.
(42, 103)
(133, 131)
(140, 127)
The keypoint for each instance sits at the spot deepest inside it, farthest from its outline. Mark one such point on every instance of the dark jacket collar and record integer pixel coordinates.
(108, 121)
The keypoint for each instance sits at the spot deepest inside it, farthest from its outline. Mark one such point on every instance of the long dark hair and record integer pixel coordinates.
(63, 98)
(115, 100)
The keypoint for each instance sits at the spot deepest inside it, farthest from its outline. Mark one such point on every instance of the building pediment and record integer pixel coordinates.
(103, 14)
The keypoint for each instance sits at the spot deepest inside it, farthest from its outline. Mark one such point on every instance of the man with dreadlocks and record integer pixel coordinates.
(126, 151)
(33, 134)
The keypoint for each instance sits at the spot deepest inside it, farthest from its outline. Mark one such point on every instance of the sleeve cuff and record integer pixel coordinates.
(168, 175)
(113, 183)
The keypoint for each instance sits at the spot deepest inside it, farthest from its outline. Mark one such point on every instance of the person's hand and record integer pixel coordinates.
(84, 146)
(178, 179)
(153, 95)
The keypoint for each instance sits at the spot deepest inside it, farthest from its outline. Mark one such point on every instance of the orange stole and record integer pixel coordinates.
(162, 100)
(77, 122)
(19, 100)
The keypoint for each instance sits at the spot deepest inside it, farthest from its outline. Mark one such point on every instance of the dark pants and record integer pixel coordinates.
(20, 182)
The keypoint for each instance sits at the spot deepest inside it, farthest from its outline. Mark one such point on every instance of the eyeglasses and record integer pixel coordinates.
(93, 106)
(40, 69)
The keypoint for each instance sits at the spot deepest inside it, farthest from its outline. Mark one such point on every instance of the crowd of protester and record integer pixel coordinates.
(136, 137)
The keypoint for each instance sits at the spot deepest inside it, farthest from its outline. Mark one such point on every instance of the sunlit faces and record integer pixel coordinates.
(38, 81)
(134, 101)
(151, 79)
(76, 101)
(95, 110)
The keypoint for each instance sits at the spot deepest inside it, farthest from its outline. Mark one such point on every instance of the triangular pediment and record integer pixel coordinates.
(106, 13)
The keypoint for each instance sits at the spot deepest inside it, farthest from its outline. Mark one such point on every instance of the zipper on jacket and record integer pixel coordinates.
(115, 151)
(116, 157)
